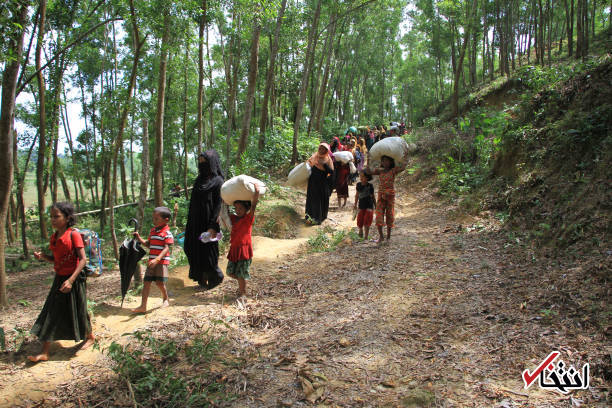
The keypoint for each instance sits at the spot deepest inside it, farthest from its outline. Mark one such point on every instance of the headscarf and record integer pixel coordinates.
(337, 145)
(362, 146)
(320, 160)
(209, 172)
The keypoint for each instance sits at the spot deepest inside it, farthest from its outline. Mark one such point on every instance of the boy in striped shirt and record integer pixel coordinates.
(159, 242)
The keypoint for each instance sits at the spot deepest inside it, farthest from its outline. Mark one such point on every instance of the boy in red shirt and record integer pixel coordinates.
(241, 247)
(159, 242)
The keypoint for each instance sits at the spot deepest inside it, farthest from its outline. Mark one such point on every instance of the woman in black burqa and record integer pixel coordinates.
(204, 208)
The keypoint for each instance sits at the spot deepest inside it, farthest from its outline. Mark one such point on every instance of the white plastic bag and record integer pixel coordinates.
(352, 167)
(298, 177)
(394, 147)
(224, 219)
(242, 188)
(343, 157)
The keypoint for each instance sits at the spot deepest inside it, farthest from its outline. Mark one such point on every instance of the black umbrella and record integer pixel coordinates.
(129, 254)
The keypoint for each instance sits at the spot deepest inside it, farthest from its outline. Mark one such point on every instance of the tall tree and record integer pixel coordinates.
(123, 122)
(263, 121)
(252, 80)
(308, 61)
(19, 14)
(201, 25)
(42, 126)
(159, 116)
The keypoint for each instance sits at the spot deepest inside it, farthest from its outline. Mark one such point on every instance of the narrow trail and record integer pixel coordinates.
(433, 318)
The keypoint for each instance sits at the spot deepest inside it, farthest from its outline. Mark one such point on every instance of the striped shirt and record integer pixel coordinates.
(159, 237)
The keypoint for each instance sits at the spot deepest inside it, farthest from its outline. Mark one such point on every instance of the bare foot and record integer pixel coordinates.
(89, 341)
(165, 303)
(141, 309)
(38, 357)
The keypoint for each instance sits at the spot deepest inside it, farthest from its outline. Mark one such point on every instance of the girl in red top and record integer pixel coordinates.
(64, 314)
(241, 247)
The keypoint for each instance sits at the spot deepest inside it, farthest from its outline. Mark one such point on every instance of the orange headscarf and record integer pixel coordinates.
(320, 160)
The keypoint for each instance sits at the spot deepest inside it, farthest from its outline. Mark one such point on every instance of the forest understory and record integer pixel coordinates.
(448, 314)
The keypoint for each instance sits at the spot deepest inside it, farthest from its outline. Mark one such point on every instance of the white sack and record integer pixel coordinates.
(353, 168)
(394, 147)
(343, 157)
(298, 177)
(242, 188)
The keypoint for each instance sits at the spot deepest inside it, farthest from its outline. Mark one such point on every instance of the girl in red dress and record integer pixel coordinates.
(241, 246)
(64, 315)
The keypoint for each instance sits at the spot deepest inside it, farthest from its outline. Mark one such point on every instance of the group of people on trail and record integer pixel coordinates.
(64, 315)
(328, 174)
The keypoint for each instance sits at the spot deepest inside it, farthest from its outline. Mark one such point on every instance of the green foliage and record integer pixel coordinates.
(275, 158)
(17, 337)
(472, 151)
(148, 367)
(326, 241)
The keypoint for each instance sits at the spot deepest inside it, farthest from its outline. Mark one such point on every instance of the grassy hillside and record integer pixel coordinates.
(535, 150)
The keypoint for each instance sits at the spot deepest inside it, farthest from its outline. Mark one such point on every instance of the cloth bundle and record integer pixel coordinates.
(394, 147)
(241, 188)
(298, 177)
(343, 157)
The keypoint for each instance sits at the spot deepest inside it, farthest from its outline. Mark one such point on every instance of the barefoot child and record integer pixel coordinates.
(386, 195)
(159, 242)
(64, 314)
(241, 247)
(367, 202)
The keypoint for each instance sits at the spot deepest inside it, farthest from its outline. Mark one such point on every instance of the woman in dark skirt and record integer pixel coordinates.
(319, 184)
(204, 208)
(64, 314)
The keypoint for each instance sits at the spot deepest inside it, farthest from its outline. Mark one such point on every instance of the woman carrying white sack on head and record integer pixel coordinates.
(319, 185)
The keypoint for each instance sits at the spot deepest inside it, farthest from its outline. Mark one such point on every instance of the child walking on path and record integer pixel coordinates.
(241, 246)
(159, 242)
(364, 197)
(385, 208)
(64, 314)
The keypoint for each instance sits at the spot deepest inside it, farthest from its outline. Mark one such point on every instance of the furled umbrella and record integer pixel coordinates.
(129, 254)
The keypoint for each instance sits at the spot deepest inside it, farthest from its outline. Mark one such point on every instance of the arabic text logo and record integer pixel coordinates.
(557, 375)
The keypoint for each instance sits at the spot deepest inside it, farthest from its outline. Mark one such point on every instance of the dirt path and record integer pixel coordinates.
(438, 317)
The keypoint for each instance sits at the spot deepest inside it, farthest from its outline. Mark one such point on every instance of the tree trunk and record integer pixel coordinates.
(202, 24)
(231, 73)
(87, 141)
(459, 63)
(263, 120)
(65, 187)
(549, 16)
(250, 97)
(304, 84)
(184, 120)
(9, 84)
(569, 22)
(144, 175)
(122, 124)
(159, 117)
(319, 107)
(68, 133)
(211, 134)
(42, 126)
(579, 30)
